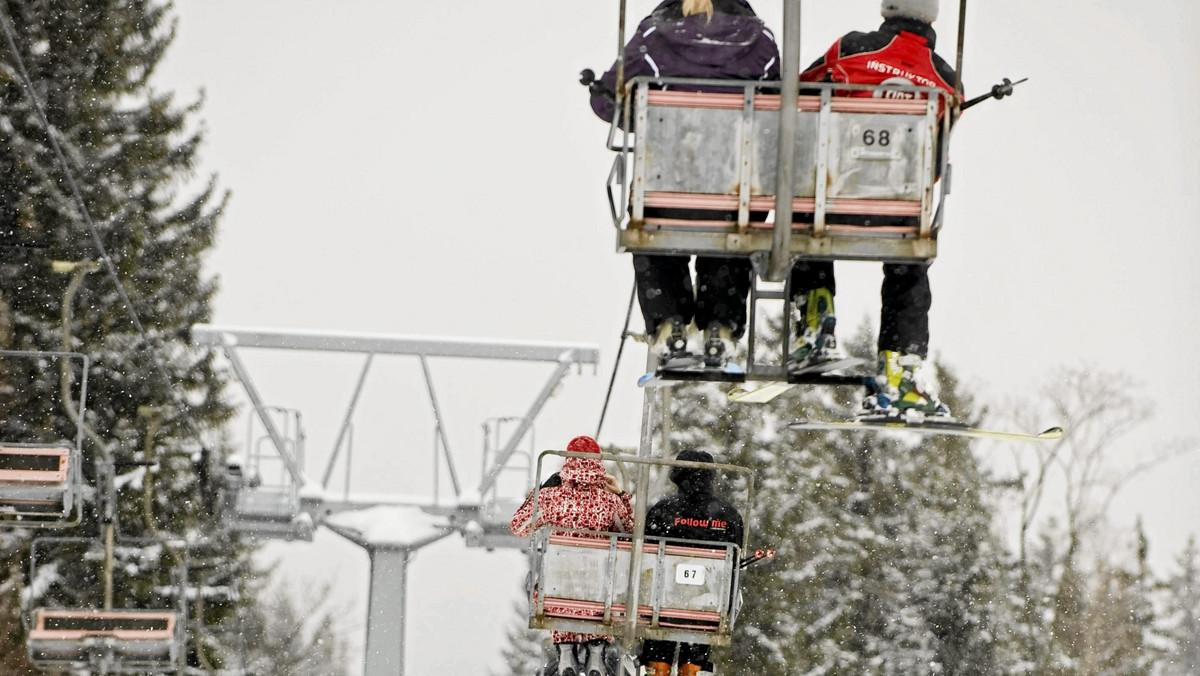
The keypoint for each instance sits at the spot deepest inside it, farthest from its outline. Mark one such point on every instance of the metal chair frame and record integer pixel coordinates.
(598, 573)
(716, 152)
(36, 495)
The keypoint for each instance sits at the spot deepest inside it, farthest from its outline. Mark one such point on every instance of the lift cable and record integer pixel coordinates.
(617, 363)
(27, 83)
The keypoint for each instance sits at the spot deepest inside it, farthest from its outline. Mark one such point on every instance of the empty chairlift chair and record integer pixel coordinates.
(35, 482)
(260, 497)
(122, 640)
(41, 483)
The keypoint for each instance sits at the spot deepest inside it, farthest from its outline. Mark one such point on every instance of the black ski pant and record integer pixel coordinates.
(904, 317)
(664, 288)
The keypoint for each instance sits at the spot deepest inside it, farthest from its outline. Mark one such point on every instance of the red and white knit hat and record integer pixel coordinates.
(583, 445)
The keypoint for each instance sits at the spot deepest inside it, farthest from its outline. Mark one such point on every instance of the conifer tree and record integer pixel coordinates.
(1181, 624)
(528, 649)
(130, 152)
(278, 636)
(883, 547)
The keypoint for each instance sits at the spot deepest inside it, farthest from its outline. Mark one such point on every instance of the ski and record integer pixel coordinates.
(948, 427)
(760, 395)
(823, 373)
(729, 373)
(827, 366)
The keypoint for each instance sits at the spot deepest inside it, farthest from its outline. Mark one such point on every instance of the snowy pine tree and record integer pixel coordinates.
(1181, 622)
(527, 649)
(277, 636)
(153, 399)
(884, 549)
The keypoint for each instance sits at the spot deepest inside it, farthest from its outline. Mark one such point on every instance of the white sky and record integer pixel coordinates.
(434, 168)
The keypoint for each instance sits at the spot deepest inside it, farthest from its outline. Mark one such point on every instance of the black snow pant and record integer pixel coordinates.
(689, 653)
(904, 317)
(664, 288)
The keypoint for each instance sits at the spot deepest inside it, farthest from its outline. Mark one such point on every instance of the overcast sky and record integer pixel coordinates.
(434, 169)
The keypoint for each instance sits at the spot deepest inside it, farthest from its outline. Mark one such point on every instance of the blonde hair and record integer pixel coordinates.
(691, 7)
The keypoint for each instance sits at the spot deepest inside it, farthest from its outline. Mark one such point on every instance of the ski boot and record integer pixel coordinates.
(670, 344)
(594, 665)
(689, 669)
(902, 391)
(718, 345)
(658, 669)
(568, 664)
(815, 344)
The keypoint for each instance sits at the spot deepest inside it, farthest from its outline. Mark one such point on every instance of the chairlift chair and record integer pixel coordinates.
(703, 171)
(259, 505)
(489, 526)
(103, 640)
(41, 484)
(698, 172)
(123, 640)
(34, 482)
(685, 590)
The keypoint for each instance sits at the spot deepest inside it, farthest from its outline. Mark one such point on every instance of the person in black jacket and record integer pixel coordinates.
(695, 512)
(707, 39)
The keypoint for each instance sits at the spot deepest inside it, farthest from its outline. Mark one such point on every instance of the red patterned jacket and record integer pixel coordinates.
(580, 502)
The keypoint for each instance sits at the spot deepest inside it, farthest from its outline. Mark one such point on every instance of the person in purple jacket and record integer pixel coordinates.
(709, 39)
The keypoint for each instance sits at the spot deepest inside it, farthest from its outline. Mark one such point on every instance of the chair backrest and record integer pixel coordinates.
(62, 637)
(705, 172)
(26, 466)
(582, 583)
(35, 485)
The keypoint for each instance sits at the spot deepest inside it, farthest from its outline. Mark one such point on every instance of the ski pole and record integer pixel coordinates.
(759, 555)
(998, 92)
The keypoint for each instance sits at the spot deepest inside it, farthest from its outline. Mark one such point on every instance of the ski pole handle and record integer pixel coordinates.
(587, 78)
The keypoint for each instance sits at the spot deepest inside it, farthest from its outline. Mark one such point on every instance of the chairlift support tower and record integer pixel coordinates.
(350, 515)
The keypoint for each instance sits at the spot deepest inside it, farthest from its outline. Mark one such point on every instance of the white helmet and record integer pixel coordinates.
(922, 10)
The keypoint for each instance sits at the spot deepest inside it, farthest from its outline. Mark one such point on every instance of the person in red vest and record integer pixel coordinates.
(901, 51)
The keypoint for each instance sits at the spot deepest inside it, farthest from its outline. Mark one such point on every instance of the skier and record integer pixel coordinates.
(585, 498)
(713, 39)
(694, 513)
(900, 52)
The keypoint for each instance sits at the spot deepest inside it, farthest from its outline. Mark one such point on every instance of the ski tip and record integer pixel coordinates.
(740, 395)
(645, 378)
(1052, 433)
